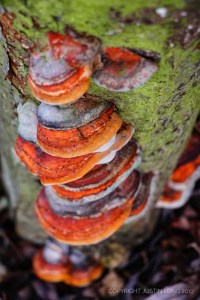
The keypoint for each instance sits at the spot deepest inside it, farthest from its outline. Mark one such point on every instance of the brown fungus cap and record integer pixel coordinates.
(123, 70)
(81, 140)
(90, 223)
(170, 195)
(75, 48)
(66, 272)
(50, 272)
(102, 179)
(83, 277)
(53, 170)
(27, 153)
(93, 208)
(144, 194)
(188, 162)
(56, 170)
(75, 115)
(69, 90)
(60, 73)
(175, 196)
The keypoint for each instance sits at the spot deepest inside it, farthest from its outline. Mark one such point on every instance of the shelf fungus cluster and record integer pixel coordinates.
(184, 177)
(80, 149)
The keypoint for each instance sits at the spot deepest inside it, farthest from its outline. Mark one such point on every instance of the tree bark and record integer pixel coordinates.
(163, 110)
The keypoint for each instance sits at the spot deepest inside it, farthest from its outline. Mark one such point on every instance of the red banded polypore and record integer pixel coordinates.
(60, 73)
(88, 223)
(123, 70)
(102, 179)
(58, 262)
(78, 136)
(184, 177)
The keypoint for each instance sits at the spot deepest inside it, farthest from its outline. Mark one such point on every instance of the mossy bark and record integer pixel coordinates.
(163, 111)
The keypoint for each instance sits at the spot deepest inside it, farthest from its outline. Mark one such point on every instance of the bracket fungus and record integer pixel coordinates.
(184, 177)
(188, 162)
(123, 70)
(72, 85)
(88, 223)
(76, 49)
(53, 272)
(80, 140)
(60, 73)
(174, 197)
(58, 262)
(27, 152)
(102, 179)
(144, 193)
(85, 110)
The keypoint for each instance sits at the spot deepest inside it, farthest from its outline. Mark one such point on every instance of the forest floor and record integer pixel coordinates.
(167, 266)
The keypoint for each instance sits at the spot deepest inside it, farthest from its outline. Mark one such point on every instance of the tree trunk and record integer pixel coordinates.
(163, 110)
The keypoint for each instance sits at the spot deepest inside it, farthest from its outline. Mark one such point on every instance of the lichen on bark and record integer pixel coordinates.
(163, 111)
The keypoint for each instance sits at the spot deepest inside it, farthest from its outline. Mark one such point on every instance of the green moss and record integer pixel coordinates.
(90, 16)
